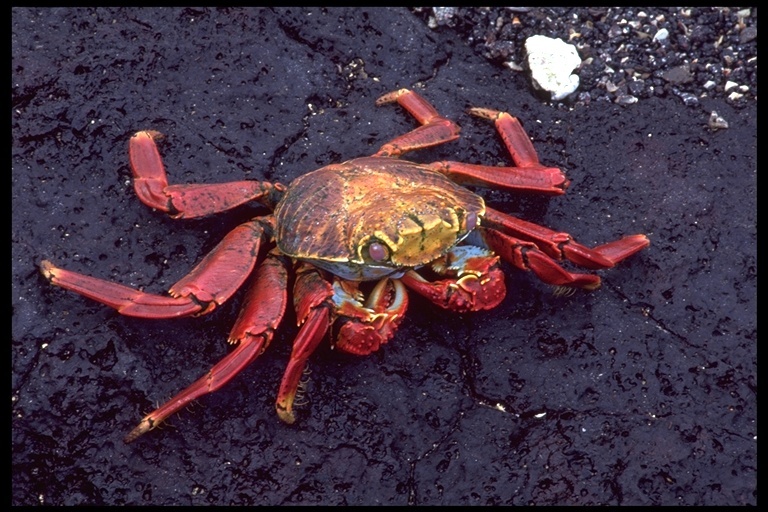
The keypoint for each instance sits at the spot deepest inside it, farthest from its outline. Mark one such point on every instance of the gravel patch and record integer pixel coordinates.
(629, 54)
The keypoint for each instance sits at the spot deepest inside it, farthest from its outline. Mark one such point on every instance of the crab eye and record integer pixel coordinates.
(378, 252)
(471, 221)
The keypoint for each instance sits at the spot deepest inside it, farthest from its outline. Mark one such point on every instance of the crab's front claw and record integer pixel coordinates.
(475, 281)
(367, 327)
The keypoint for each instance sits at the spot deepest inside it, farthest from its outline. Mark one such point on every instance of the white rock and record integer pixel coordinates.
(551, 62)
(661, 35)
(716, 121)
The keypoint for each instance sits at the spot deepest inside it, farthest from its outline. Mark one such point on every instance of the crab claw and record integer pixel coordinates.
(368, 327)
(317, 303)
(475, 280)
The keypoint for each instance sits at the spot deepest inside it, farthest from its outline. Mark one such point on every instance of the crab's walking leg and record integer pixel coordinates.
(515, 139)
(562, 245)
(312, 294)
(192, 200)
(527, 256)
(435, 128)
(208, 285)
(528, 175)
(532, 247)
(262, 312)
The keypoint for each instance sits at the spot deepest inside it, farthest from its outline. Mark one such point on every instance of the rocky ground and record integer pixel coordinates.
(629, 54)
(640, 393)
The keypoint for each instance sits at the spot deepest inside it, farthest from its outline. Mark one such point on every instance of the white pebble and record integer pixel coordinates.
(716, 121)
(661, 35)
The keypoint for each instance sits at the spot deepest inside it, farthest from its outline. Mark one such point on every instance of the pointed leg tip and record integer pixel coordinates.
(383, 100)
(47, 269)
(391, 97)
(590, 287)
(151, 134)
(142, 428)
(285, 413)
(489, 113)
(643, 240)
(485, 113)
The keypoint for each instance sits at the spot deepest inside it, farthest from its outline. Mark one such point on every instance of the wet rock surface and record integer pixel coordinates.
(642, 392)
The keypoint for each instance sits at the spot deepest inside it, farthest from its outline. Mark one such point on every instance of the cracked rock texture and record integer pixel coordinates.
(642, 392)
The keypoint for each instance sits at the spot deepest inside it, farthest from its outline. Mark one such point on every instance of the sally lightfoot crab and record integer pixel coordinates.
(399, 224)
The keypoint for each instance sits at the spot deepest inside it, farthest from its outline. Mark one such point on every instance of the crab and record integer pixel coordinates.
(357, 237)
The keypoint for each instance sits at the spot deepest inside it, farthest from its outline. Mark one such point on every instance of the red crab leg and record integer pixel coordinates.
(562, 246)
(540, 180)
(515, 139)
(312, 294)
(192, 200)
(526, 256)
(262, 312)
(528, 175)
(474, 280)
(209, 284)
(535, 248)
(435, 128)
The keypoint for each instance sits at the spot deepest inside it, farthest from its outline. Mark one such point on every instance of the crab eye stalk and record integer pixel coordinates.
(471, 221)
(378, 252)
